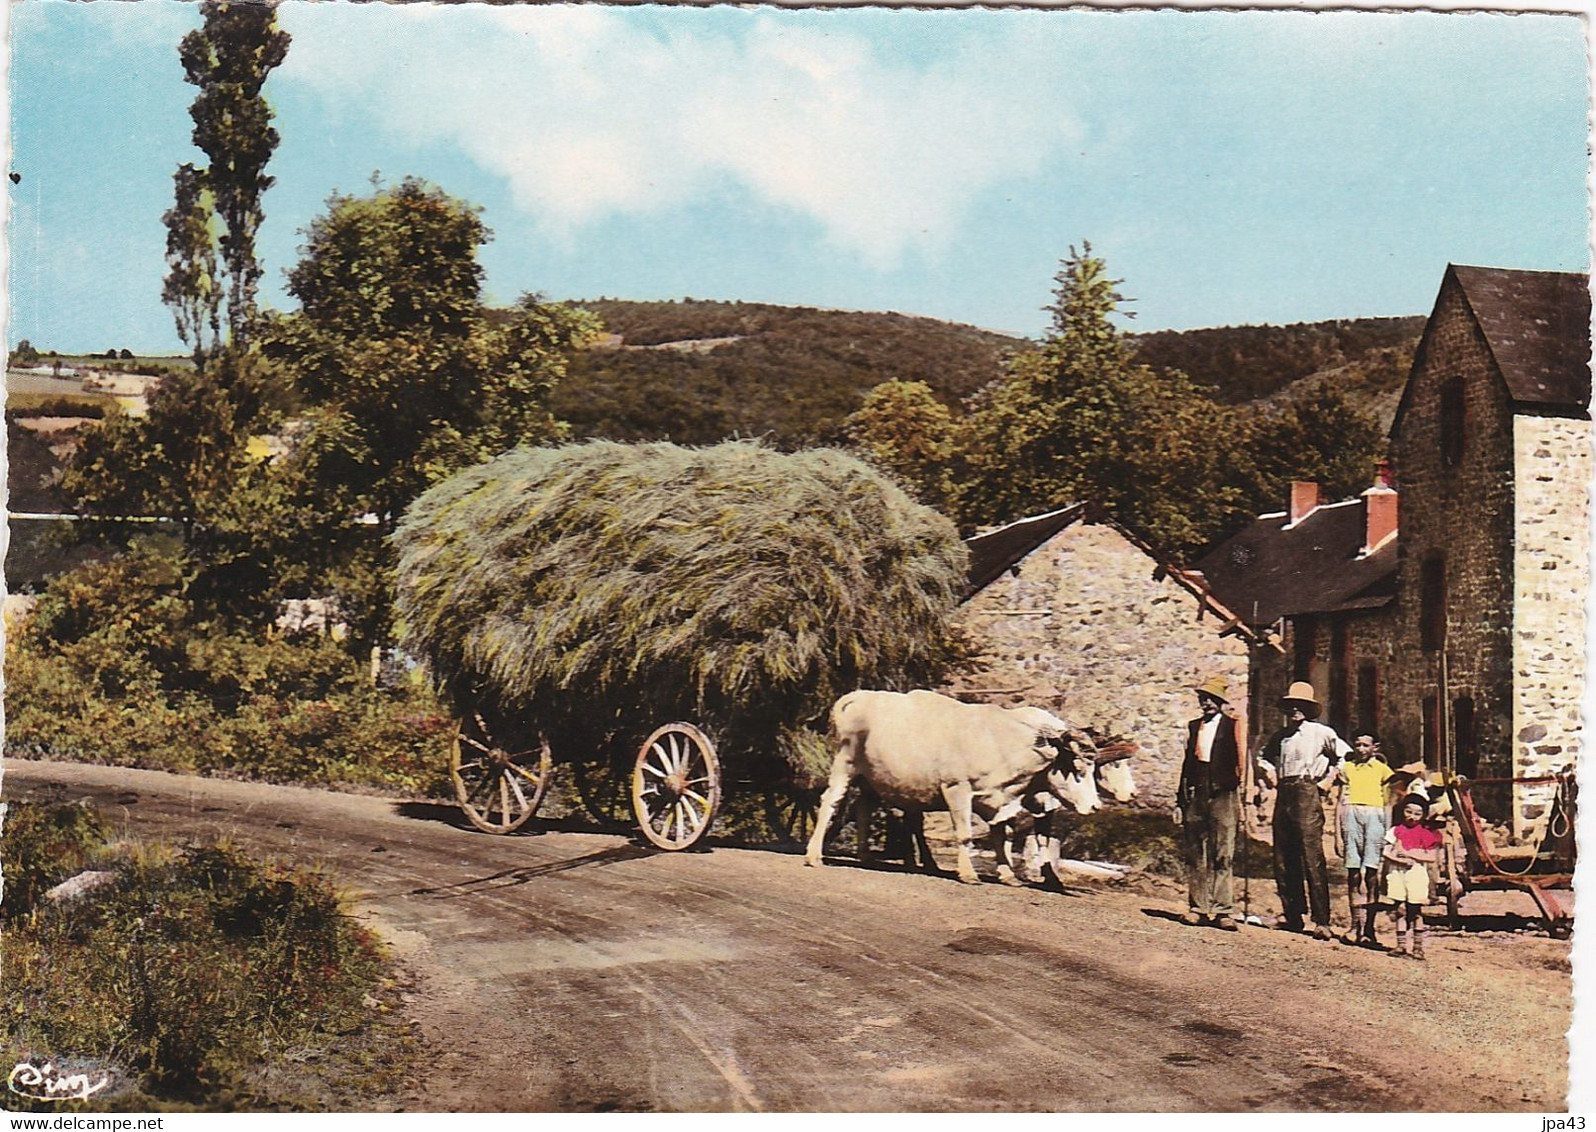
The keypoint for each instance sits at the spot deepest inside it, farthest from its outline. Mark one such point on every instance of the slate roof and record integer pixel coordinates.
(1312, 567)
(1538, 326)
(996, 551)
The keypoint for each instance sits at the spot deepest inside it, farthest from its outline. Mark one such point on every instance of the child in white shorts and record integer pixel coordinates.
(1410, 847)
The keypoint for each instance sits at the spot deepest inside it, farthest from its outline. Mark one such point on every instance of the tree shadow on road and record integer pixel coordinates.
(509, 878)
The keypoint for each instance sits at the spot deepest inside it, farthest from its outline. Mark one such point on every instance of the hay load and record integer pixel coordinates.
(601, 588)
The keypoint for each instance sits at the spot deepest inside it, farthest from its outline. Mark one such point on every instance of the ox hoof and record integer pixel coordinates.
(969, 878)
(814, 862)
(1011, 880)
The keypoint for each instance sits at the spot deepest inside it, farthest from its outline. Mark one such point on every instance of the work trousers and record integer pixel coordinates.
(1299, 851)
(1208, 819)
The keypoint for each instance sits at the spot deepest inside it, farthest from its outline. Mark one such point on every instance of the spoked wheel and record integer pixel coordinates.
(500, 773)
(676, 786)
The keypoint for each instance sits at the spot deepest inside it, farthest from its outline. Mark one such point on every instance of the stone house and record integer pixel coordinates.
(1070, 612)
(1460, 637)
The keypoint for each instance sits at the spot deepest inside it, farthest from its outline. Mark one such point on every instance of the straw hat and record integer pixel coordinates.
(1216, 686)
(1301, 692)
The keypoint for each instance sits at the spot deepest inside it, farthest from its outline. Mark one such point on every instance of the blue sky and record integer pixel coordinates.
(1233, 167)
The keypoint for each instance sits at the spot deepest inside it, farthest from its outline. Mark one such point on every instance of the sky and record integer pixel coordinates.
(1231, 167)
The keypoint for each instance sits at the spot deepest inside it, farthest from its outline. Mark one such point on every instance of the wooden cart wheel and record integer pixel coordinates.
(676, 786)
(499, 776)
(790, 812)
(603, 784)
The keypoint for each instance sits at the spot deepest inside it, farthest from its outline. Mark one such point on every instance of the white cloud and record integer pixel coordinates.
(587, 114)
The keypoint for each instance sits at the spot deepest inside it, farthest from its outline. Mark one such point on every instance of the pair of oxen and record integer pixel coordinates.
(920, 751)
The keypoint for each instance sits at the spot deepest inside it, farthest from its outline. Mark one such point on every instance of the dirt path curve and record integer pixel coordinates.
(577, 971)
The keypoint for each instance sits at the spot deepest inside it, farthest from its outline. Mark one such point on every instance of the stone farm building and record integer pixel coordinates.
(1457, 627)
(1070, 612)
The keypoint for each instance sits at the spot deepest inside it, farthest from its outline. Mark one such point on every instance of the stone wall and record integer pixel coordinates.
(1551, 580)
(1461, 513)
(1083, 630)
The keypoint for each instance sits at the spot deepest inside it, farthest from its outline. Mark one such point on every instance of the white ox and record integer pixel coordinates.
(1035, 834)
(924, 751)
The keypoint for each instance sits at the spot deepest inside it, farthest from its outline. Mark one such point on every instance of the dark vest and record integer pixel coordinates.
(1222, 771)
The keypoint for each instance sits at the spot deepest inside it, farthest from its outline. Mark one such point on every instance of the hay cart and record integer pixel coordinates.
(670, 623)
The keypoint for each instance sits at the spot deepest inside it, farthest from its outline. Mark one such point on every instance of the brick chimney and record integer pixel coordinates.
(1304, 498)
(1379, 510)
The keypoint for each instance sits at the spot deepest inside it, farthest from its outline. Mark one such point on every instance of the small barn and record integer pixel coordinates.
(1072, 612)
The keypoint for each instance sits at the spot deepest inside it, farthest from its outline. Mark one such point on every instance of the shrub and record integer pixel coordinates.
(191, 972)
(40, 846)
(113, 667)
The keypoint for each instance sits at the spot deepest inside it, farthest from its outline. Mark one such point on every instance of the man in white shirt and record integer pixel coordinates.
(1300, 761)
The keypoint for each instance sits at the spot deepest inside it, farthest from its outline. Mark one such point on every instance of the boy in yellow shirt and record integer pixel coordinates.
(1362, 821)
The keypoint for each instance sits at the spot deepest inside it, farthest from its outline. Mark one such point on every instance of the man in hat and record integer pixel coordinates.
(1300, 761)
(1206, 804)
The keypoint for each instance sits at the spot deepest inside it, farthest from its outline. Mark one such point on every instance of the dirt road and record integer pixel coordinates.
(577, 971)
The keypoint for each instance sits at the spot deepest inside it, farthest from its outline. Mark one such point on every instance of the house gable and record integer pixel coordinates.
(1092, 625)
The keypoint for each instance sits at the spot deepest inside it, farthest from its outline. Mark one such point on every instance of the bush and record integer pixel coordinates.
(191, 972)
(21, 406)
(40, 846)
(113, 667)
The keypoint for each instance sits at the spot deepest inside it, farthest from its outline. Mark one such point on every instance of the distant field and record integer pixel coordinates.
(33, 383)
(130, 365)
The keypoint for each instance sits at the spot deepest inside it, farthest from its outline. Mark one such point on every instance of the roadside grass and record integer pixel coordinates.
(200, 978)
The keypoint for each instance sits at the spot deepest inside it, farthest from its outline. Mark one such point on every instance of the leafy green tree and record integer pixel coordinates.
(1078, 419)
(188, 460)
(403, 376)
(192, 288)
(408, 377)
(228, 59)
(903, 429)
(1322, 438)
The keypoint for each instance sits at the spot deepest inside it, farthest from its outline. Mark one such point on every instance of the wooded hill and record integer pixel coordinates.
(697, 371)
(1244, 363)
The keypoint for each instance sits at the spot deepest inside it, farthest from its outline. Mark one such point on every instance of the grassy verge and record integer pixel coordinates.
(197, 978)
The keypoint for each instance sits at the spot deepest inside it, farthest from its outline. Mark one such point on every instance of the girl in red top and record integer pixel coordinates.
(1410, 848)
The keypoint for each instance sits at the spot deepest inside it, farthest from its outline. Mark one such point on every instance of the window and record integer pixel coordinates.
(1368, 696)
(1465, 756)
(1305, 639)
(1432, 603)
(1452, 422)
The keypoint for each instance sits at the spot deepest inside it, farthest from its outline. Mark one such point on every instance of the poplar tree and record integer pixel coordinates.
(228, 59)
